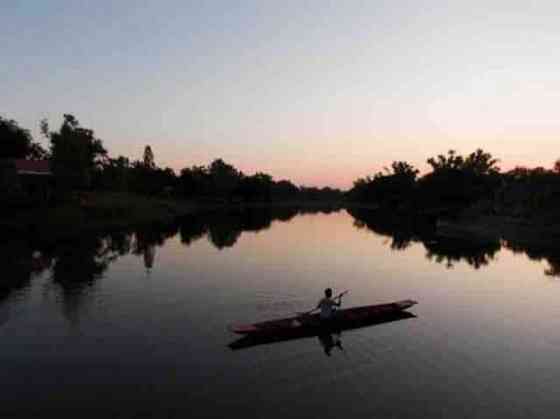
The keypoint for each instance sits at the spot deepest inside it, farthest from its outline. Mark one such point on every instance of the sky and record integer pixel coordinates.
(319, 92)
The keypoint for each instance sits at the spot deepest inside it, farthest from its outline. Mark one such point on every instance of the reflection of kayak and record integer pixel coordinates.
(311, 325)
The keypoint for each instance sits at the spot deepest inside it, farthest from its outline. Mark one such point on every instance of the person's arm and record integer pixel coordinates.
(312, 310)
(315, 309)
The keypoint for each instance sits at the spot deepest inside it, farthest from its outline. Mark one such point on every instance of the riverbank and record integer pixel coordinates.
(105, 212)
(91, 213)
(539, 230)
(536, 231)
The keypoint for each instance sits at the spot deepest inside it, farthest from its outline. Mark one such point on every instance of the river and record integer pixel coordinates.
(135, 323)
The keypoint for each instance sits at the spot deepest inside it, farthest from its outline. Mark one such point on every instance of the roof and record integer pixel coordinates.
(32, 167)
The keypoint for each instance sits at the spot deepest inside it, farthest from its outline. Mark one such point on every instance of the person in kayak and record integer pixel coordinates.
(328, 305)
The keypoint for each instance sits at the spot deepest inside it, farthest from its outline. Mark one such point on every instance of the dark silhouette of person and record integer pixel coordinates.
(328, 305)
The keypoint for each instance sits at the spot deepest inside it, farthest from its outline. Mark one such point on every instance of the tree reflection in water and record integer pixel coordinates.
(449, 252)
(75, 267)
(404, 231)
(550, 253)
(20, 265)
(224, 228)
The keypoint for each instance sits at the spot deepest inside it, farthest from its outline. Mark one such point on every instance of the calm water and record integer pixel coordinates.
(134, 324)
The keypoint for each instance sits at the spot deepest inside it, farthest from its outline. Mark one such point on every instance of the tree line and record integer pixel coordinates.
(457, 183)
(80, 161)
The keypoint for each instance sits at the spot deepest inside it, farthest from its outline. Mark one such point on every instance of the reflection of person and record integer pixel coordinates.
(149, 256)
(328, 306)
(328, 342)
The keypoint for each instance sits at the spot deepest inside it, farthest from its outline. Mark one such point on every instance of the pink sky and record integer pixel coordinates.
(317, 92)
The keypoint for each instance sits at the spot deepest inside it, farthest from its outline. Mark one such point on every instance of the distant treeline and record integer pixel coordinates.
(79, 161)
(458, 184)
(455, 184)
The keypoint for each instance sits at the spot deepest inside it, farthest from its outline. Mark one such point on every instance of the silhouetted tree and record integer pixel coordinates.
(481, 163)
(394, 188)
(114, 174)
(195, 181)
(457, 182)
(255, 188)
(284, 190)
(478, 162)
(17, 142)
(557, 166)
(225, 178)
(403, 169)
(148, 181)
(529, 192)
(75, 152)
(443, 162)
(149, 162)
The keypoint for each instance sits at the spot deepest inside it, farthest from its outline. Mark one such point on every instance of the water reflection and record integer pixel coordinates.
(75, 267)
(223, 229)
(402, 232)
(449, 252)
(330, 341)
(148, 238)
(539, 253)
(20, 265)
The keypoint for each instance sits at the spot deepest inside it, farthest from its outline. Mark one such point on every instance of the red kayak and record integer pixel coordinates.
(311, 325)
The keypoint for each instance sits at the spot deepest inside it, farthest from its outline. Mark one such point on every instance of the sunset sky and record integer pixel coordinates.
(320, 92)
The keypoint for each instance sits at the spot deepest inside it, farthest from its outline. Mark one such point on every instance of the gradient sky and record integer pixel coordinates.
(320, 92)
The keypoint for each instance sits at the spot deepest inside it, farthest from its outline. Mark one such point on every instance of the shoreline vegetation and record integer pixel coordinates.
(85, 190)
(104, 212)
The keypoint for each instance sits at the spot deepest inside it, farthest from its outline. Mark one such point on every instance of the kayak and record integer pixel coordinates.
(311, 325)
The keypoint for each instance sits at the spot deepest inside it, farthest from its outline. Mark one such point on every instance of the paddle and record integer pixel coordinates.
(339, 297)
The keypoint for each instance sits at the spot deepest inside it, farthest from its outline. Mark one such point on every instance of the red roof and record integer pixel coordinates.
(32, 167)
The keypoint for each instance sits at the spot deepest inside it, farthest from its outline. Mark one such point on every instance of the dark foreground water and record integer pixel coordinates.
(134, 324)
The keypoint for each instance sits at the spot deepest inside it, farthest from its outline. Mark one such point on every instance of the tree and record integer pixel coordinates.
(394, 187)
(37, 152)
(256, 187)
(458, 182)
(225, 177)
(481, 163)
(557, 166)
(478, 162)
(17, 142)
(75, 152)
(114, 175)
(194, 181)
(149, 161)
(442, 162)
(402, 169)
(284, 190)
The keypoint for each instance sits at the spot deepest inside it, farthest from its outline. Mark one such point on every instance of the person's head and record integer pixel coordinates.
(328, 293)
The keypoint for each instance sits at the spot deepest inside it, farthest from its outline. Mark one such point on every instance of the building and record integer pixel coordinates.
(31, 180)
